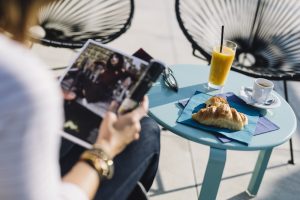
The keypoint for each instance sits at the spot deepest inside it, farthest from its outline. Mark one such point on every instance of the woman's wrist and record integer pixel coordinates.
(107, 147)
(100, 161)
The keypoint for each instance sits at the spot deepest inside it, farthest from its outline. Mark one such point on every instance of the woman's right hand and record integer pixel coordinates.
(116, 132)
(68, 95)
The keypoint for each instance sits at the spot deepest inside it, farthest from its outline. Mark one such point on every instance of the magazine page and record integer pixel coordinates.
(96, 77)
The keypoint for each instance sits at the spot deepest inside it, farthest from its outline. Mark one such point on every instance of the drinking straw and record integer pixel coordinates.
(222, 34)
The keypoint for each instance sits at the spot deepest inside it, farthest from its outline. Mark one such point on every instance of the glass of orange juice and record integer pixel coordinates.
(221, 63)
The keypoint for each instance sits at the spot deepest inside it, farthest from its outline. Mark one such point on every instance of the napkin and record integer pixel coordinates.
(197, 102)
(264, 125)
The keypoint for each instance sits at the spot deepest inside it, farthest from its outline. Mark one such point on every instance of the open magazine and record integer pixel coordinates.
(98, 76)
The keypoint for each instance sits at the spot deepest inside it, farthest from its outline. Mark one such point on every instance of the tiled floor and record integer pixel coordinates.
(182, 163)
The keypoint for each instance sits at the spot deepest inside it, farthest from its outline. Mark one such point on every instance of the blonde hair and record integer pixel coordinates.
(16, 16)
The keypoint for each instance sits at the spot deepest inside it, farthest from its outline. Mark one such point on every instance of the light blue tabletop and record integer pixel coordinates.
(165, 110)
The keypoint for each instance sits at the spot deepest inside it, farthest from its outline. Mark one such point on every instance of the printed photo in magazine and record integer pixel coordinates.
(97, 76)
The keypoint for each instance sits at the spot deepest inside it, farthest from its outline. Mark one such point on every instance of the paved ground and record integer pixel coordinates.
(182, 162)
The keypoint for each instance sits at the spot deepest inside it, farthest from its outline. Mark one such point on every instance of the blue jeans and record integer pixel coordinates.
(138, 162)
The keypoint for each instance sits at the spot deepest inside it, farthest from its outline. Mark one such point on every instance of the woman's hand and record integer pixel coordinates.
(116, 132)
(68, 95)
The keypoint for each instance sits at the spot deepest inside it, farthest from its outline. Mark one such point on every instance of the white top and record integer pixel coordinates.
(31, 118)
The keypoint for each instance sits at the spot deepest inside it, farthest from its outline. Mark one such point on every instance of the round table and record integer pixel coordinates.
(165, 110)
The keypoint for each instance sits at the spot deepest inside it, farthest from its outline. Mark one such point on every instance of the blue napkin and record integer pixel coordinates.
(197, 102)
(263, 125)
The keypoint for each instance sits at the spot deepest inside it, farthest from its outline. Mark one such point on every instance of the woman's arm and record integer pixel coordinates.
(85, 177)
(114, 135)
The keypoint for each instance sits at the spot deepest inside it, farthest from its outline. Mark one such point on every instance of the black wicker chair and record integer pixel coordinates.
(70, 23)
(267, 33)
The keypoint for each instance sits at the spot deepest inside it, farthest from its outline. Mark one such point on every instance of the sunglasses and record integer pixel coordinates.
(169, 79)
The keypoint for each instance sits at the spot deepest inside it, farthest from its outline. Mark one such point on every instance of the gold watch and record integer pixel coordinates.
(100, 161)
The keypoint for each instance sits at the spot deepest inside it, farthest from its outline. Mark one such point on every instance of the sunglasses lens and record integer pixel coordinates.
(169, 78)
(172, 81)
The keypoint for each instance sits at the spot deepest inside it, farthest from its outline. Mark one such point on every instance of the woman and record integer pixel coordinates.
(31, 117)
(115, 70)
(115, 62)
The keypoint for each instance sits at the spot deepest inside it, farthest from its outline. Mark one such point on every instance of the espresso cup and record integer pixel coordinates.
(262, 89)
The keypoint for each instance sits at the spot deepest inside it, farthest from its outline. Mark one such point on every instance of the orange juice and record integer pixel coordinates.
(220, 65)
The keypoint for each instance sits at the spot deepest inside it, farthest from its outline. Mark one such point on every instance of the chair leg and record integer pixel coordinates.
(291, 161)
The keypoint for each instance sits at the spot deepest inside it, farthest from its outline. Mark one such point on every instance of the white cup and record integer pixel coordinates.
(262, 89)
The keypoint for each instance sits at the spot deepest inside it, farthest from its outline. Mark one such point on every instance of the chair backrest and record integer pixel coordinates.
(267, 33)
(70, 23)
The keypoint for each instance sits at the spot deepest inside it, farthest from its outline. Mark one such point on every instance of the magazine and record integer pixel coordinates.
(98, 76)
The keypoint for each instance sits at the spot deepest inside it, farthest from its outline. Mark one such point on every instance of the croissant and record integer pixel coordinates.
(221, 116)
(215, 101)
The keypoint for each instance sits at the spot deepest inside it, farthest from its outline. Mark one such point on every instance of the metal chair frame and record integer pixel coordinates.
(72, 44)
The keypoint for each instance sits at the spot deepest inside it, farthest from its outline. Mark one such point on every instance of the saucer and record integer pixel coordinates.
(246, 95)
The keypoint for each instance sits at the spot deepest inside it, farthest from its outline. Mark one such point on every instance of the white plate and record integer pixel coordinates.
(246, 92)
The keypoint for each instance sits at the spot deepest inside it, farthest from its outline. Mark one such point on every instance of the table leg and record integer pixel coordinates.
(259, 171)
(213, 174)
